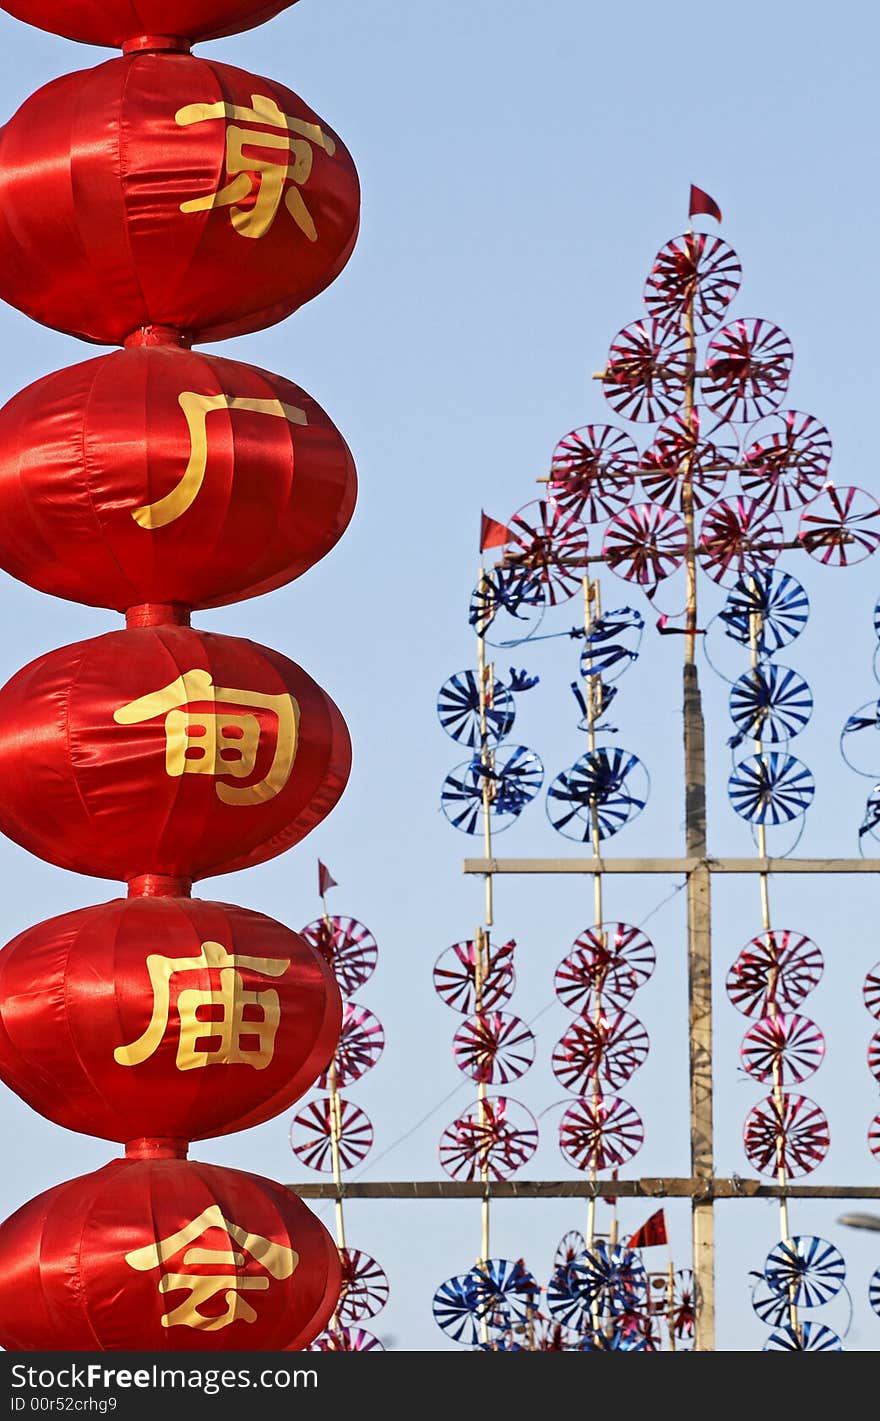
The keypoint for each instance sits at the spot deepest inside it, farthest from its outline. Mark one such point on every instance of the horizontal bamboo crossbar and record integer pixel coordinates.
(671, 865)
(669, 1188)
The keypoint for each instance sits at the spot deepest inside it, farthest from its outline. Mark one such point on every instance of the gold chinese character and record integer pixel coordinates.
(196, 409)
(232, 1000)
(219, 742)
(260, 177)
(278, 1261)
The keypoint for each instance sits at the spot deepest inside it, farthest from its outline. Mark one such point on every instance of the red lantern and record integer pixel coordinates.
(165, 1255)
(165, 750)
(112, 22)
(162, 475)
(165, 1017)
(163, 190)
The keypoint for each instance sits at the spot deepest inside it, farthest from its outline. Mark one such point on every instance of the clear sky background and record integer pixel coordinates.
(520, 167)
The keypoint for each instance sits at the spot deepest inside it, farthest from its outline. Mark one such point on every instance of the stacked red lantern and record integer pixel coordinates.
(153, 201)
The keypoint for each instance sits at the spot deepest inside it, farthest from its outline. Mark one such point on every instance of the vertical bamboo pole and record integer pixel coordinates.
(699, 930)
(486, 680)
(755, 629)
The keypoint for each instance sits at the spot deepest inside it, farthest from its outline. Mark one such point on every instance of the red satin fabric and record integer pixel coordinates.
(112, 22)
(84, 763)
(256, 495)
(114, 1023)
(94, 169)
(76, 1270)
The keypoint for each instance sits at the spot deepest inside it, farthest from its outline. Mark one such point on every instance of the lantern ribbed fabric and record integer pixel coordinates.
(154, 201)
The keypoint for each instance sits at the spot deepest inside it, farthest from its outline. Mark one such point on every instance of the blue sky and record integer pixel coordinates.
(520, 167)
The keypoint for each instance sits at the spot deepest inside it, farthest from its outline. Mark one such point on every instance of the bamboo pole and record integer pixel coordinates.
(699, 920)
(756, 623)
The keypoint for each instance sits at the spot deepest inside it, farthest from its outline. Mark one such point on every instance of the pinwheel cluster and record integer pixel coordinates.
(604, 1046)
(859, 747)
(496, 1135)
(500, 778)
(607, 786)
(331, 1134)
(769, 703)
(787, 1134)
(800, 1274)
(597, 1299)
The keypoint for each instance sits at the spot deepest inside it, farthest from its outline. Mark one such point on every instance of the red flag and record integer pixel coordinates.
(653, 1231)
(324, 879)
(612, 1198)
(492, 534)
(701, 202)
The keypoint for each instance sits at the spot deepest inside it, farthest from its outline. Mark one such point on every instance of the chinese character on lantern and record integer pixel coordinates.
(262, 178)
(230, 1030)
(261, 1259)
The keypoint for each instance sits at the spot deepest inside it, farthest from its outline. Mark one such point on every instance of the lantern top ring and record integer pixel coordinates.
(176, 44)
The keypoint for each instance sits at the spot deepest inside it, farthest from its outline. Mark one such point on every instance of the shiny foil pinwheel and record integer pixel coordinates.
(331, 1134)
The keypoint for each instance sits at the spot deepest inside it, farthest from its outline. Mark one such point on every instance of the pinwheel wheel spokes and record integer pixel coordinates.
(769, 604)
(600, 1134)
(460, 713)
(686, 455)
(454, 1309)
(612, 643)
(601, 792)
(612, 1278)
(777, 968)
(684, 1306)
(504, 1291)
(738, 537)
(871, 991)
(607, 1049)
(770, 703)
(806, 1270)
(646, 374)
(361, 1043)
(494, 1047)
(455, 976)
(346, 1339)
(569, 1246)
(862, 755)
(496, 1136)
(874, 1056)
(874, 1292)
(311, 1134)
(806, 1337)
(772, 1308)
(507, 783)
(840, 527)
(364, 1290)
(551, 545)
(748, 365)
(609, 961)
(790, 1134)
(871, 819)
(510, 603)
(348, 946)
(787, 464)
(565, 1300)
(771, 788)
(783, 1048)
(645, 544)
(698, 272)
(592, 472)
